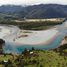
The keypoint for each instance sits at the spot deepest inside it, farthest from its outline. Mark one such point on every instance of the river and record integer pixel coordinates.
(11, 48)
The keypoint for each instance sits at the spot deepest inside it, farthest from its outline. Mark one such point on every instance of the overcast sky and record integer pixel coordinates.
(31, 2)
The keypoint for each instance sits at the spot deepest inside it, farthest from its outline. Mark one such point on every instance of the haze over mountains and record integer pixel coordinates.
(36, 11)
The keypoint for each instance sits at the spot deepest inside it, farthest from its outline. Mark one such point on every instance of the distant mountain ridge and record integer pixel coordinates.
(36, 11)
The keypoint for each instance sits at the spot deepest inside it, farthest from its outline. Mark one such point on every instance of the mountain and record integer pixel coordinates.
(9, 8)
(36, 11)
(47, 11)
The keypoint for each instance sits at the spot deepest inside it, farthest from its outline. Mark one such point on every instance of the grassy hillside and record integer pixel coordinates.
(36, 58)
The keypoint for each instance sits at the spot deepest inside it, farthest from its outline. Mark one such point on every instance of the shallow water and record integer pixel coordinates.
(12, 48)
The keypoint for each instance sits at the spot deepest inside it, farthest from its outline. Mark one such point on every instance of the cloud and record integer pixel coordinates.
(31, 2)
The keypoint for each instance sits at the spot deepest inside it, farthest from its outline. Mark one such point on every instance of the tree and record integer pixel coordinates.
(2, 43)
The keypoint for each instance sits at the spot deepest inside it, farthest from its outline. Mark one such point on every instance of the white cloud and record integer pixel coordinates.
(30, 2)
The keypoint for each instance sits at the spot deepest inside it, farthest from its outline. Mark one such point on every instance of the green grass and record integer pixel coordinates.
(40, 58)
(42, 27)
(44, 59)
(49, 59)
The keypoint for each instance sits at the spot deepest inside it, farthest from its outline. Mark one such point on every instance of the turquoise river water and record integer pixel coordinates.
(10, 48)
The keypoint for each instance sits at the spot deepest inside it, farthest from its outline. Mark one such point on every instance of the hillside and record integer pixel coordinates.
(36, 58)
(36, 11)
(47, 11)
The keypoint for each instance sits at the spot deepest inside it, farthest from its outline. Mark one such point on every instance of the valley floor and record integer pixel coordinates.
(27, 37)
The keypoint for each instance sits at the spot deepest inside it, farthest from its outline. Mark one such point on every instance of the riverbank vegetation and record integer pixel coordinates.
(32, 25)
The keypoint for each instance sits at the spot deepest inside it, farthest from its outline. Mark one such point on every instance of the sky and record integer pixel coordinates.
(32, 2)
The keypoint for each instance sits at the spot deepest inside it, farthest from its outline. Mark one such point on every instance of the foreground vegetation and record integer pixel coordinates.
(36, 58)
